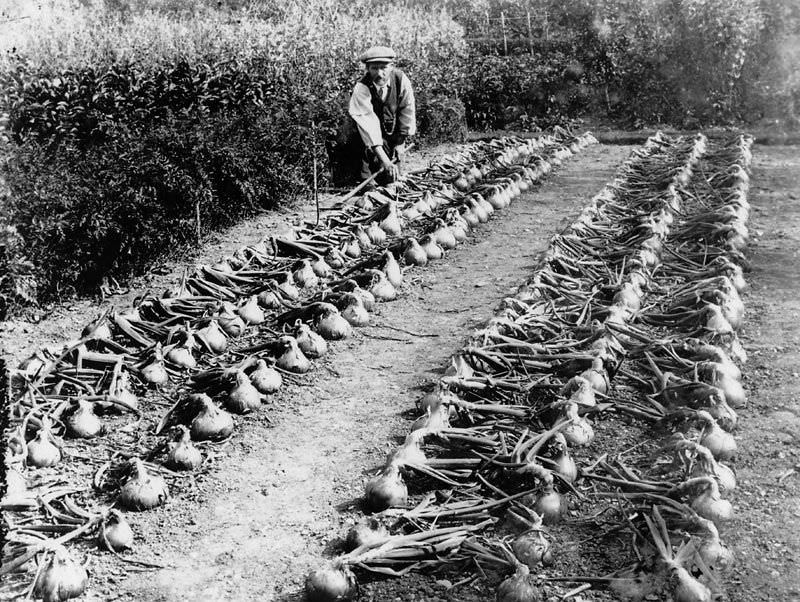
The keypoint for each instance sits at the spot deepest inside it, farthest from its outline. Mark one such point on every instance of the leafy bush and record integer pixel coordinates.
(113, 208)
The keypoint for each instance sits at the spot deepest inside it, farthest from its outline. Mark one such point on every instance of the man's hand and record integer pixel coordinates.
(391, 169)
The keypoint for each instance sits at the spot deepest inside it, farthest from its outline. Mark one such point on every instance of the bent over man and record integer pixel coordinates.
(382, 105)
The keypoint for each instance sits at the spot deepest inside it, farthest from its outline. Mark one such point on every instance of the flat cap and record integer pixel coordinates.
(377, 54)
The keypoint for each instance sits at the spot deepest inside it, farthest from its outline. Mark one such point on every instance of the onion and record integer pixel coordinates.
(83, 422)
(333, 583)
(444, 235)
(597, 376)
(392, 269)
(565, 465)
(366, 532)
(720, 443)
(709, 504)
(244, 397)
(265, 378)
(531, 547)
(182, 454)
(115, 532)
(304, 275)
(310, 343)
(269, 300)
(364, 241)
(229, 321)
(181, 356)
(250, 312)
(715, 374)
(432, 249)
(332, 325)
(42, 451)
(461, 183)
(714, 554)
(211, 422)
(478, 210)
(321, 268)
(386, 490)
(548, 505)
(292, 358)
(381, 288)
(213, 337)
(579, 390)
(579, 431)
(367, 298)
(155, 372)
(414, 254)
(352, 248)
(520, 587)
(62, 577)
(376, 234)
(469, 216)
(142, 491)
(391, 223)
(354, 312)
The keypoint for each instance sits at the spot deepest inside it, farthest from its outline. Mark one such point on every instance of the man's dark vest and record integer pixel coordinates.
(386, 110)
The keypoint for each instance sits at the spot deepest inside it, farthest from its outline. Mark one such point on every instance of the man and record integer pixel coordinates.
(382, 105)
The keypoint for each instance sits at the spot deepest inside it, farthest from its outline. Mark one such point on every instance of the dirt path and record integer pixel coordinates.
(766, 536)
(281, 493)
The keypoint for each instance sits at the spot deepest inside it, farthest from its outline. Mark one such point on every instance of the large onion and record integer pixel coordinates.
(115, 532)
(43, 451)
(244, 397)
(182, 454)
(62, 577)
(386, 490)
(210, 422)
(265, 378)
(83, 422)
(250, 311)
(212, 337)
(142, 490)
(333, 583)
(291, 357)
(520, 587)
(392, 269)
(414, 254)
(310, 343)
(155, 372)
(331, 324)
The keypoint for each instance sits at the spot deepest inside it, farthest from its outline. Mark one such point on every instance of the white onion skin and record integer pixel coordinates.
(321, 268)
(355, 313)
(432, 249)
(293, 359)
(143, 491)
(531, 548)
(42, 451)
(83, 422)
(519, 587)
(182, 454)
(687, 588)
(310, 343)
(214, 337)
(332, 325)
(720, 443)
(549, 506)
(265, 378)
(116, 533)
(367, 531)
(391, 225)
(376, 234)
(382, 289)
(61, 579)
(244, 397)
(250, 312)
(414, 254)
(387, 490)
(211, 423)
(331, 584)
(269, 300)
(304, 275)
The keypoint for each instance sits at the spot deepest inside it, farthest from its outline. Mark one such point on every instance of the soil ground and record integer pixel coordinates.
(276, 498)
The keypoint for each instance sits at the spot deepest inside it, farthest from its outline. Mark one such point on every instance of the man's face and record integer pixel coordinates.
(379, 73)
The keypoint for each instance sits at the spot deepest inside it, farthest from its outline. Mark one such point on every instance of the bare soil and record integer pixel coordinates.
(274, 500)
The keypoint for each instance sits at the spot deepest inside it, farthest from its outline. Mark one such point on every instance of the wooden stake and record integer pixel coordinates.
(530, 32)
(503, 26)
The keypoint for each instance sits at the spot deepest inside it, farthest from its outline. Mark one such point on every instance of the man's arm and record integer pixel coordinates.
(361, 111)
(406, 108)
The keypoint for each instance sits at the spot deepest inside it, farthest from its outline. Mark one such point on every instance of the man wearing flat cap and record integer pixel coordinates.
(382, 105)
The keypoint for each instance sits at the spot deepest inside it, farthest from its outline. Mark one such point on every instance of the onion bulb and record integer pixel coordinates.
(376, 234)
(287, 288)
(210, 422)
(531, 548)
(381, 288)
(269, 300)
(520, 587)
(244, 397)
(386, 490)
(597, 376)
(265, 379)
(333, 583)
(142, 490)
(414, 254)
(304, 275)
(354, 312)
(352, 248)
(229, 321)
(155, 372)
(182, 454)
(331, 325)
(720, 443)
(565, 465)
(43, 451)
(212, 337)
(432, 249)
(366, 532)
(391, 223)
(710, 504)
(83, 422)
(181, 355)
(310, 343)
(115, 532)
(250, 311)
(548, 505)
(292, 358)
(321, 268)
(444, 235)
(362, 237)
(62, 577)
(391, 268)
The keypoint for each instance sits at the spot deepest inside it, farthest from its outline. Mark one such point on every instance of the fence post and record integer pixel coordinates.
(503, 26)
